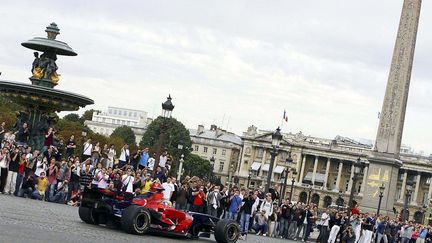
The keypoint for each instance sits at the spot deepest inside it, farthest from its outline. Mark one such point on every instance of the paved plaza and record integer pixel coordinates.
(25, 220)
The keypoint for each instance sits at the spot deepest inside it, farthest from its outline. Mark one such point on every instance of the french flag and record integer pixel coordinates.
(285, 117)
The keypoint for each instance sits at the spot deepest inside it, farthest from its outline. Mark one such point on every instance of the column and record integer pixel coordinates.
(327, 173)
(263, 159)
(302, 169)
(430, 189)
(365, 174)
(404, 180)
(351, 178)
(417, 187)
(339, 176)
(314, 170)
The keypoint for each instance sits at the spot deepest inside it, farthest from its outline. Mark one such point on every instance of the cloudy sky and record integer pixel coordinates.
(232, 63)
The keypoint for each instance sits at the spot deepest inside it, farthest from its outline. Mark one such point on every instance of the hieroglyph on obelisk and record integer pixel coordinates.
(392, 118)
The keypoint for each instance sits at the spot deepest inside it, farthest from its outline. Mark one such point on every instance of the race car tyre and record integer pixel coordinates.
(136, 220)
(227, 231)
(88, 215)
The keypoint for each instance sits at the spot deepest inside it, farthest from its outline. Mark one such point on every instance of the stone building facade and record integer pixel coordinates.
(221, 148)
(106, 122)
(324, 170)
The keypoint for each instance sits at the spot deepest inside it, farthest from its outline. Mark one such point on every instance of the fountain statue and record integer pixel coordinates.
(39, 98)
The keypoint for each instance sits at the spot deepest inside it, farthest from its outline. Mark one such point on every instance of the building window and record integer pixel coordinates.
(130, 113)
(223, 152)
(428, 181)
(359, 187)
(425, 198)
(205, 149)
(398, 193)
(260, 152)
(214, 151)
(401, 176)
(128, 123)
(246, 162)
(221, 165)
(115, 112)
(135, 114)
(346, 185)
(196, 147)
(110, 111)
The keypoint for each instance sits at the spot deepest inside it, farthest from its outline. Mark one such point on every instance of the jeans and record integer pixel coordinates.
(37, 195)
(244, 223)
(10, 182)
(299, 229)
(283, 227)
(230, 215)
(381, 236)
(51, 190)
(180, 206)
(405, 240)
(72, 187)
(23, 192)
(18, 182)
(292, 229)
(308, 228)
(3, 177)
(212, 211)
(323, 235)
(260, 228)
(59, 197)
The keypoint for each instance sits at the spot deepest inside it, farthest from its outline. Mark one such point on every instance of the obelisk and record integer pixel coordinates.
(384, 163)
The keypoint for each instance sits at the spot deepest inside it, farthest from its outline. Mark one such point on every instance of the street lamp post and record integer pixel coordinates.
(381, 192)
(167, 108)
(358, 170)
(180, 169)
(408, 188)
(212, 162)
(248, 181)
(289, 160)
(294, 173)
(309, 196)
(276, 139)
(180, 148)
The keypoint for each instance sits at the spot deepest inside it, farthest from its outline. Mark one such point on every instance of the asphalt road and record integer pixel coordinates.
(26, 220)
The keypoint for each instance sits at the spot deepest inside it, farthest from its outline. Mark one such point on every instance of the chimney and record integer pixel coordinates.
(200, 129)
(213, 128)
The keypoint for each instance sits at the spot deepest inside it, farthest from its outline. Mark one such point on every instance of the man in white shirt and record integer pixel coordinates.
(168, 189)
(162, 160)
(111, 155)
(325, 231)
(151, 163)
(87, 150)
(124, 156)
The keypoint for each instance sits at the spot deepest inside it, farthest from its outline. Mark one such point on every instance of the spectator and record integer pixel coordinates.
(28, 186)
(70, 146)
(124, 156)
(111, 156)
(4, 164)
(159, 174)
(213, 199)
(261, 219)
(87, 150)
(182, 197)
(168, 189)
(22, 135)
(198, 200)
(127, 181)
(246, 212)
(42, 185)
(13, 171)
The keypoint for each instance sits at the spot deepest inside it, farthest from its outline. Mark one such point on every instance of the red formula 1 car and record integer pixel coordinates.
(150, 213)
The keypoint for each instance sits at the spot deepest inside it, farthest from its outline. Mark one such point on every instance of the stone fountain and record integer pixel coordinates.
(39, 98)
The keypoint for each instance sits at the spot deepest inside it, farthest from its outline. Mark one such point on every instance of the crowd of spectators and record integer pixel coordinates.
(57, 174)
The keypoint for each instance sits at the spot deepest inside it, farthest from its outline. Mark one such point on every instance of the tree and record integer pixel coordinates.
(8, 110)
(175, 133)
(194, 165)
(73, 117)
(125, 133)
(88, 115)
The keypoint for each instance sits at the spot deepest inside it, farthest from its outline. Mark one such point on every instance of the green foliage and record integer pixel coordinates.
(8, 111)
(125, 133)
(194, 165)
(73, 117)
(175, 132)
(88, 115)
